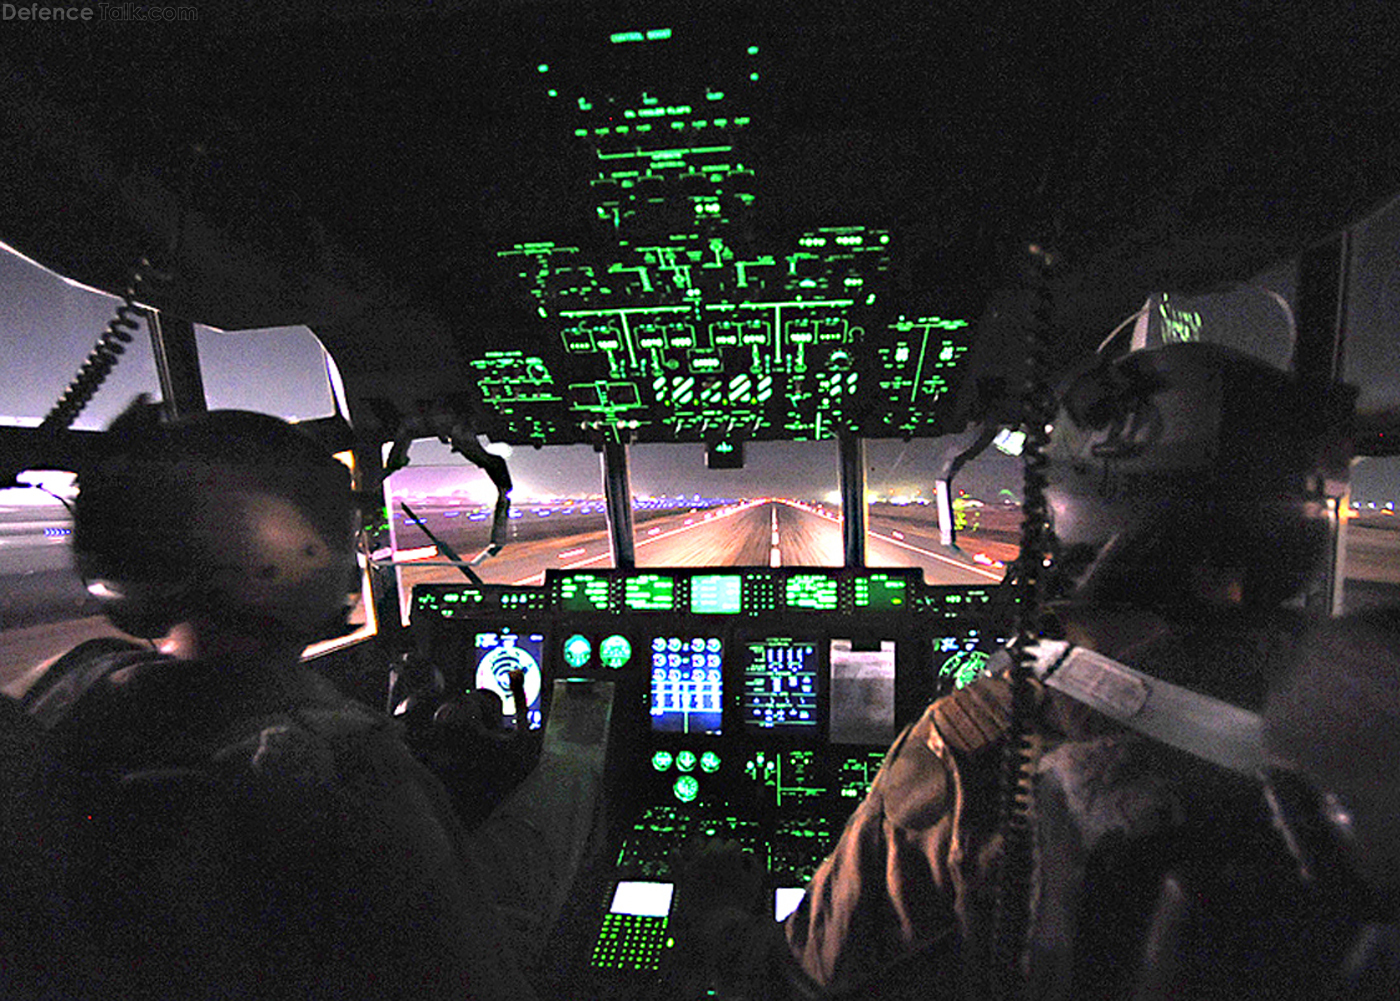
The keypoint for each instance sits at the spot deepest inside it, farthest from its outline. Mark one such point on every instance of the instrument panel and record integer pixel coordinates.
(752, 703)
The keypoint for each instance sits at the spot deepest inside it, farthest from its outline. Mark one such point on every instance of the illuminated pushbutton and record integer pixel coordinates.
(686, 788)
(709, 762)
(615, 651)
(661, 760)
(577, 651)
(685, 761)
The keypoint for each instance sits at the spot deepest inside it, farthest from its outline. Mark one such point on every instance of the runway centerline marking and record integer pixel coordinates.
(775, 555)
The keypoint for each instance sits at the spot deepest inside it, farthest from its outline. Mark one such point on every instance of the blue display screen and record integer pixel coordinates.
(498, 653)
(686, 684)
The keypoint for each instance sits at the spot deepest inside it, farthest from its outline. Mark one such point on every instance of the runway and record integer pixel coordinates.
(770, 532)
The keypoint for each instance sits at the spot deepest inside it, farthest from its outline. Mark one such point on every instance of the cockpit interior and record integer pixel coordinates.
(680, 350)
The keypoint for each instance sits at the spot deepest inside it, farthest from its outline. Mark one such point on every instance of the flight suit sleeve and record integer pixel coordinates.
(889, 890)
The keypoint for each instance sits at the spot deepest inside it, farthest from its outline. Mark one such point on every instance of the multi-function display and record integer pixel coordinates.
(687, 684)
(498, 652)
(716, 594)
(650, 592)
(811, 592)
(780, 685)
(880, 591)
(584, 593)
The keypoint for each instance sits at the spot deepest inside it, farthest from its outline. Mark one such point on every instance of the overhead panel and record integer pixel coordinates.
(682, 316)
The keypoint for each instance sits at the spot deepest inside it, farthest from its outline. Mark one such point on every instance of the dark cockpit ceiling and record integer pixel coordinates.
(359, 168)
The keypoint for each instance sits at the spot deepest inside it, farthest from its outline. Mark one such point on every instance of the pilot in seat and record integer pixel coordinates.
(250, 831)
(1188, 518)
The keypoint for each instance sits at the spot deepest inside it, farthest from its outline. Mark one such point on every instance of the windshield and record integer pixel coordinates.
(782, 508)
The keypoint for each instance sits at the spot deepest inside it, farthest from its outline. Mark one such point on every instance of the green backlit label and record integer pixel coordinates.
(716, 594)
(584, 593)
(709, 762)
(464, 596)
(650, 593)
(812, 592)
(685, 761)
(661, 760)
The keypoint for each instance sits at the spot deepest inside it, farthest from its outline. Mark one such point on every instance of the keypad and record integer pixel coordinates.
(631, 942)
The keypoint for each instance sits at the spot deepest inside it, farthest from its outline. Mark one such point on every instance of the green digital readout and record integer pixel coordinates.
(716, 594)
(650, 592)
(880, 591)
(584, 593)
(812, 592)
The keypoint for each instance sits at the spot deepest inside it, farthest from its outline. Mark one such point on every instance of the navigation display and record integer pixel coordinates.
(502, 651)
(687, 684)
(780, 685)
(716, 594)
(958, 661)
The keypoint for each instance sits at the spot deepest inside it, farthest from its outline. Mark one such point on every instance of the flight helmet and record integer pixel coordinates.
(234, 516)
(1174, 468)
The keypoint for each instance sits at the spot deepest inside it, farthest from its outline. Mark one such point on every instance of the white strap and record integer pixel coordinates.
(1200, 725)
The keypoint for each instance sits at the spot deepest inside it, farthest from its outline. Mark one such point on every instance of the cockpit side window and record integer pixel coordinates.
(1371, 558)
(280, 371)
(1371, 357)
(904, 526)
(48, 325)
(1372, 353)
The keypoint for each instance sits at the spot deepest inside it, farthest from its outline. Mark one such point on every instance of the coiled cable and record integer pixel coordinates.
(1010, 919)
(102, 359)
